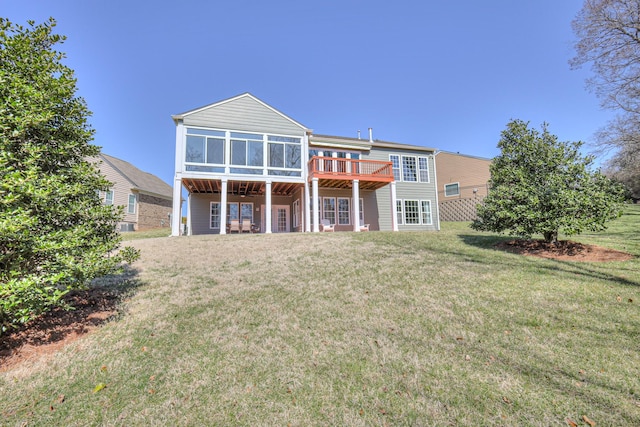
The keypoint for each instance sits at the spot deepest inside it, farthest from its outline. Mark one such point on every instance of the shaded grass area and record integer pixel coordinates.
(353, 329)
(146, 234)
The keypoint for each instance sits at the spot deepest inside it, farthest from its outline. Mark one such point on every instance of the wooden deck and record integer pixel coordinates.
(335, 172)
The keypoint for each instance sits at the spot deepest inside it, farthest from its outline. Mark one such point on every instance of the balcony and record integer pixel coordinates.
(336, 172)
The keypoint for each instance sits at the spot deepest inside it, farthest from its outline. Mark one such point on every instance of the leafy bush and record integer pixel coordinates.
(541, 185)
(55, 234)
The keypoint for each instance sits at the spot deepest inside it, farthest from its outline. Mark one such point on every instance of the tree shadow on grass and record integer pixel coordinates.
(92, 307)
(588, 269)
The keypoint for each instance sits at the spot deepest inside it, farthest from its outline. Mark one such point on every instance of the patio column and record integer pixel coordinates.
(267, 214)
(356, 205)
(176, 215)
(394, 215)
(223, 207)
(316, 215)
(188, 233)
(307, 208)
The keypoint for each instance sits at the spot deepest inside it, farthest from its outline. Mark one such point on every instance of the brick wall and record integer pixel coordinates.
(153, 212)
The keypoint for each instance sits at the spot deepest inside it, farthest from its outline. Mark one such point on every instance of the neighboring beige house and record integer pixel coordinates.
(147, 200)
(243, 162)
(463, 181)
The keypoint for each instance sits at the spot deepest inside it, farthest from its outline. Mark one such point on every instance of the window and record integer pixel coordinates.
(409, 169)
(399, 212)
(452, 189)
(246, 211)
(205, 146)
(246, 149)
(284, 152)
(108, 197)
(296, 213)
(411, 212)
(239, 211)
(395, 166)
(423, 169)
(344, 217)
(214, 221)
(329, 209)
(131, 206)
(232, 212)
(361, 213)
(414, 212)
(425, 210)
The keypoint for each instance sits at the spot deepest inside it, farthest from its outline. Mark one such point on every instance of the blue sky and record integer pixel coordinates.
(442, 74)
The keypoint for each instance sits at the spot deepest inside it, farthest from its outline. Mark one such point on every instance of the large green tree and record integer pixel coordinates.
(540, 185)
(55, 235)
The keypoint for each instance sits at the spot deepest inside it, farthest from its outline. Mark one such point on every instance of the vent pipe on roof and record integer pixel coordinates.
(370, 135)
(358, 133)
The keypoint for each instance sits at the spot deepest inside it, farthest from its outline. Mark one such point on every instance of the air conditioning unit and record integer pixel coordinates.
(126, 227)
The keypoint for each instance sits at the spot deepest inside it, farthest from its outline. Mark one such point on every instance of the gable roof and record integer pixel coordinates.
(140, 180)
(181, 116)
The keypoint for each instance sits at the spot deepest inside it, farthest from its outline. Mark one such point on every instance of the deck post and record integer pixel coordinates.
(394, 214)
(189, 232)
(307, 208)
(356, 205)
(223, 207)
(315, 203)
(176, 214)
(267, 214)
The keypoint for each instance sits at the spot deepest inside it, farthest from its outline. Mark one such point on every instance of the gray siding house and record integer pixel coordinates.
(147, 200)
(243, 162)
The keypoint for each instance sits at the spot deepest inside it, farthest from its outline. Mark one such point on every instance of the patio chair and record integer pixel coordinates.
(246, 226)
(327, 226)
(363, 226)
(235, 226)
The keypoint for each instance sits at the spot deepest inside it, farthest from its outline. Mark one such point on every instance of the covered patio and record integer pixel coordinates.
(241, 192)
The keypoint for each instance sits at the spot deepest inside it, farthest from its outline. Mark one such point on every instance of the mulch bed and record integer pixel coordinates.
(53, 330)
(564, 250)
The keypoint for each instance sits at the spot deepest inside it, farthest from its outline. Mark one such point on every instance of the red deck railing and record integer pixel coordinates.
(350, 169)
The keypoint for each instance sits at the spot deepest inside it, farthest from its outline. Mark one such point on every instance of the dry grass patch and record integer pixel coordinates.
(350, 329)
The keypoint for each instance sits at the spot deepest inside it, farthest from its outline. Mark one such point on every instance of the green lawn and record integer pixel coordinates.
(352, 329)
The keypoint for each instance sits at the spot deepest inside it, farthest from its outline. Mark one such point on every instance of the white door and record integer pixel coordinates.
(280, 219)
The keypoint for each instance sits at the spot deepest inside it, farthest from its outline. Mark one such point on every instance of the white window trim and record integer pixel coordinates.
(349, 204)
(427, 169)
(228, 165)
(296, 213)
(106, 197)
(399, 168)
(211, 227)
(457, 184)
(415, 158)
(404, 208)
(135, 204)
(335, 209)
(422, 212)
(400, 203)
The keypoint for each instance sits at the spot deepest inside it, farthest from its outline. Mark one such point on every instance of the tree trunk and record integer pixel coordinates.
(551, 236)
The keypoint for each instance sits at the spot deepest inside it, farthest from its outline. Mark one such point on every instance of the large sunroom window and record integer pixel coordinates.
(204, 147)
(284, 155)
(220, 151)
(247, 150)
